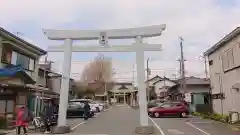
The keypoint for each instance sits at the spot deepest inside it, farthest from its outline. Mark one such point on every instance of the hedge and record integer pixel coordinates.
(213, 116)
(3, 122)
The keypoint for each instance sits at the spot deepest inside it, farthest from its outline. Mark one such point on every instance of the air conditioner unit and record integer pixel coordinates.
(234, 117)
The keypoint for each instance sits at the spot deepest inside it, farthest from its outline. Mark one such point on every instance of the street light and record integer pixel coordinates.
(205, 65)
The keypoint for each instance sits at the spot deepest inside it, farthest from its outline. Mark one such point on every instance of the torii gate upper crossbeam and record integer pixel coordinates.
(130, 33)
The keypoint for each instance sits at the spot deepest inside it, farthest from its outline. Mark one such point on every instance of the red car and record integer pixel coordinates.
(171, 108)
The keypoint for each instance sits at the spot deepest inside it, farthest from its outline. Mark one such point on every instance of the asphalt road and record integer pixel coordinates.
(120, 120)
(193, 126)
(73, 122)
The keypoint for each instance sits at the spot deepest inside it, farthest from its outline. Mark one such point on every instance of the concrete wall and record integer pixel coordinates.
(227, 79)
(56, 84)
(41, 79)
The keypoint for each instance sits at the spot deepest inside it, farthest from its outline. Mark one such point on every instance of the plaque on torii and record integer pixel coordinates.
(103, 35)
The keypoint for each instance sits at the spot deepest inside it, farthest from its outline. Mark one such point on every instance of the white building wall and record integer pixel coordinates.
(228, 79)
(56, 84)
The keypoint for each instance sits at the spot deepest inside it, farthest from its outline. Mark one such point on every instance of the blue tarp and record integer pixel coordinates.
(11, 71)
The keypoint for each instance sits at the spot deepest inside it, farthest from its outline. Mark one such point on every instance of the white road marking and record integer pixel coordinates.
(91, 134)
(175, 131)
(97, 114)
(206, 133)
(77, 125)
(157, 126)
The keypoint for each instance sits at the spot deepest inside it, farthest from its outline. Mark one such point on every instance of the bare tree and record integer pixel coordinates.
(98, 73)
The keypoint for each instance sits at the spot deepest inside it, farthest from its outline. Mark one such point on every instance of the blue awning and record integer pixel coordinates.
(11, 71)
(16, 71)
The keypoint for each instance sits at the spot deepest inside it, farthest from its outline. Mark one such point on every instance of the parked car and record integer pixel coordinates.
(76, 109)
(154, 103)
(169, 108)
(93, 105)
(97, 105)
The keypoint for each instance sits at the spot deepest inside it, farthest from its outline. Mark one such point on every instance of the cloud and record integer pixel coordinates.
(201, 23)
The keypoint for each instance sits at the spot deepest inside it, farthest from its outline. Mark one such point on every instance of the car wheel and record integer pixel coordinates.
(183, 114)
(156, 115)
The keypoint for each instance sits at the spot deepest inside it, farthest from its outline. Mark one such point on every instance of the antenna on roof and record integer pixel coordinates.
(18, 33)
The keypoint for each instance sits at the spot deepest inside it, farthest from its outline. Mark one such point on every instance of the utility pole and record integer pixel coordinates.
(183, 79)
(147, 88)
(180, 73)
(164, 78)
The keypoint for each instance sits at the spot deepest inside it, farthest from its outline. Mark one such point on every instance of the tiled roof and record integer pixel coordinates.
(196, 80)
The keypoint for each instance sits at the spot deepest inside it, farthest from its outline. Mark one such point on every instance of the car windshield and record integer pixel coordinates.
(165, 105)
(73, 104)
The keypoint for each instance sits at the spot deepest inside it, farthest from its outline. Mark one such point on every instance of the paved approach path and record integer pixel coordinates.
(119, 120)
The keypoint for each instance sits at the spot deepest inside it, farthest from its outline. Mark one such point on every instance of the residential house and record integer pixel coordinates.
(18, 73)
(162, 85)
(197, 93)
(151, 86)
(124, 92)
(224, 66)
(52, 80)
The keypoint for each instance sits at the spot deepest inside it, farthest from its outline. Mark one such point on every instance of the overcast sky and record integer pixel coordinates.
(200, 22)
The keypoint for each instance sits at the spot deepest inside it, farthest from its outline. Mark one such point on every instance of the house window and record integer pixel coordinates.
(31, 64)
(14, 58)
(228, 60)
(24, 61)
(9, 56)
(6, 55)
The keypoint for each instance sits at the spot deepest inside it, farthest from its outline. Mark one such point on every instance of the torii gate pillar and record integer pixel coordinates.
(139, 47)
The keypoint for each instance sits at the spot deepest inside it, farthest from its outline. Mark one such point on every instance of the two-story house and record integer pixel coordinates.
(224, 66)
(162, 86)
(124, 93)
(151, 89)
(18, 71)
(52, 80)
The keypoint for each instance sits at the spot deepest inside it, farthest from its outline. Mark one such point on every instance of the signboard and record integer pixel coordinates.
(218, 96)
(188, 97)
(103, 39)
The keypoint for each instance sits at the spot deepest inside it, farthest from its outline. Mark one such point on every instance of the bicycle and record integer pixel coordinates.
(37, 123)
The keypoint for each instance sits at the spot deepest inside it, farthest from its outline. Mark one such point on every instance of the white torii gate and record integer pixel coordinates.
(103, 35)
